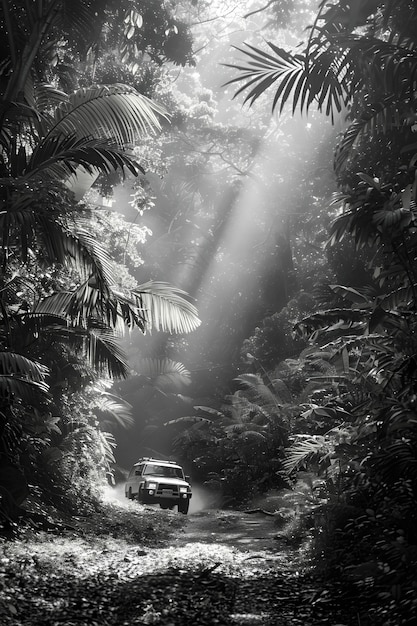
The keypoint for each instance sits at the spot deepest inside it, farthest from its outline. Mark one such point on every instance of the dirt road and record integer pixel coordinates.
(254, 531)
(213, 568)
(268, 577)
(240, 538)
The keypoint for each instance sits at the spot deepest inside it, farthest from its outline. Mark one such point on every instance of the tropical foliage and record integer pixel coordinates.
(61, 308)
(337, 396)
(237, 449)
(359, 57)
(359, 62)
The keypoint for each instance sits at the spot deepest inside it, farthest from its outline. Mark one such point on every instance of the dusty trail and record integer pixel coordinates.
(247, 539)
(270, 580)
(216, 568)
(255, 531)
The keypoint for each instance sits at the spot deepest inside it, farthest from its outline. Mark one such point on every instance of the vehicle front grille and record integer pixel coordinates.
(167, 489)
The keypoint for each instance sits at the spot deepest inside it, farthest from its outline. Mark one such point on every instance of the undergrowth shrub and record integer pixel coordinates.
(374, 550)
(237, 481)
(273, 340)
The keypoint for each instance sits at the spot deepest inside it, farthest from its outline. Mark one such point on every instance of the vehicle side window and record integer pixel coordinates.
(135, 471)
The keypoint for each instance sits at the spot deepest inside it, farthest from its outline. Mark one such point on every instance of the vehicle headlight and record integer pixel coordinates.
(183, 489)
(151, 486)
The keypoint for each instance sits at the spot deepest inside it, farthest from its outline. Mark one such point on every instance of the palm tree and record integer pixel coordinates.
(57, 232)
(52, 148)
(360, 57)
(70, 140)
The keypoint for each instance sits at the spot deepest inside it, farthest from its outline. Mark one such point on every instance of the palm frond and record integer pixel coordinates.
(281, 390)
(88, 256)
(165, 308)
(304, 450)
(164, 373)
(355, 223)
(22, 367)
(332, 319)
(403, 297)
(120, 310)
(80, 250)
(117, 408)
(188, 419)
(372, 343)
(87, 302)
(351, 294)
(93, 340)
(12, 116)
(96, 345)
(384, 63)
(335, 66)
(251, 437)
(116, 112)
(299, 79)
(58, 305)
(257, 385)
(42, 227)
(25, 327)
(397, 461)
(16, 389)
(48, 97)
(263, 70)
(377, 117)
(210, 411)
(108, 444)
(60, 156)
(104, 353)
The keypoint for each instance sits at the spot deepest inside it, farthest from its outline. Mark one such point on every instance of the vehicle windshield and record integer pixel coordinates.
(163, 470)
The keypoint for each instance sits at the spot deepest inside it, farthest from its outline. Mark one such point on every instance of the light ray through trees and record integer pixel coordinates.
(249, 268)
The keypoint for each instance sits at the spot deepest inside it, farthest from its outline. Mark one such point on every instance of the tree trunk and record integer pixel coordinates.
(24, 61)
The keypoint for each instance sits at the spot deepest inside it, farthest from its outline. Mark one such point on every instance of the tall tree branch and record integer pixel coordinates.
(260, 10)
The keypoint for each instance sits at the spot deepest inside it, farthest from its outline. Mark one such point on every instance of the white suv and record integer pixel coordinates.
(153, 481)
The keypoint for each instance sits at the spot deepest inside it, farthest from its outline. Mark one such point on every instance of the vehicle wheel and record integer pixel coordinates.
(163, 506)
(183, 506)
(140, 495)
(129, 495)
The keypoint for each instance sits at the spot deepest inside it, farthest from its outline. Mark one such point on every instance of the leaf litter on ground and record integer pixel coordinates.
(126, 565)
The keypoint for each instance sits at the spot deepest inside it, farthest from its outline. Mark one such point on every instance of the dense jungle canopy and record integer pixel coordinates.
(209, 253)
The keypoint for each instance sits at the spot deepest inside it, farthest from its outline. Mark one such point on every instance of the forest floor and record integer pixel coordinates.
(126, 565)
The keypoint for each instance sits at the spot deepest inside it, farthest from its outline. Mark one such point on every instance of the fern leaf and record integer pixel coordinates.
(303, 450)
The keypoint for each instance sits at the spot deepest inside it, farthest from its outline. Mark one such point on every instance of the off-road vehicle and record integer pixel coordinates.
(154, 481)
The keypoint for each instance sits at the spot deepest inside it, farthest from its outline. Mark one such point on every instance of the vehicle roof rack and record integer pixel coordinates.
(148, 458)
